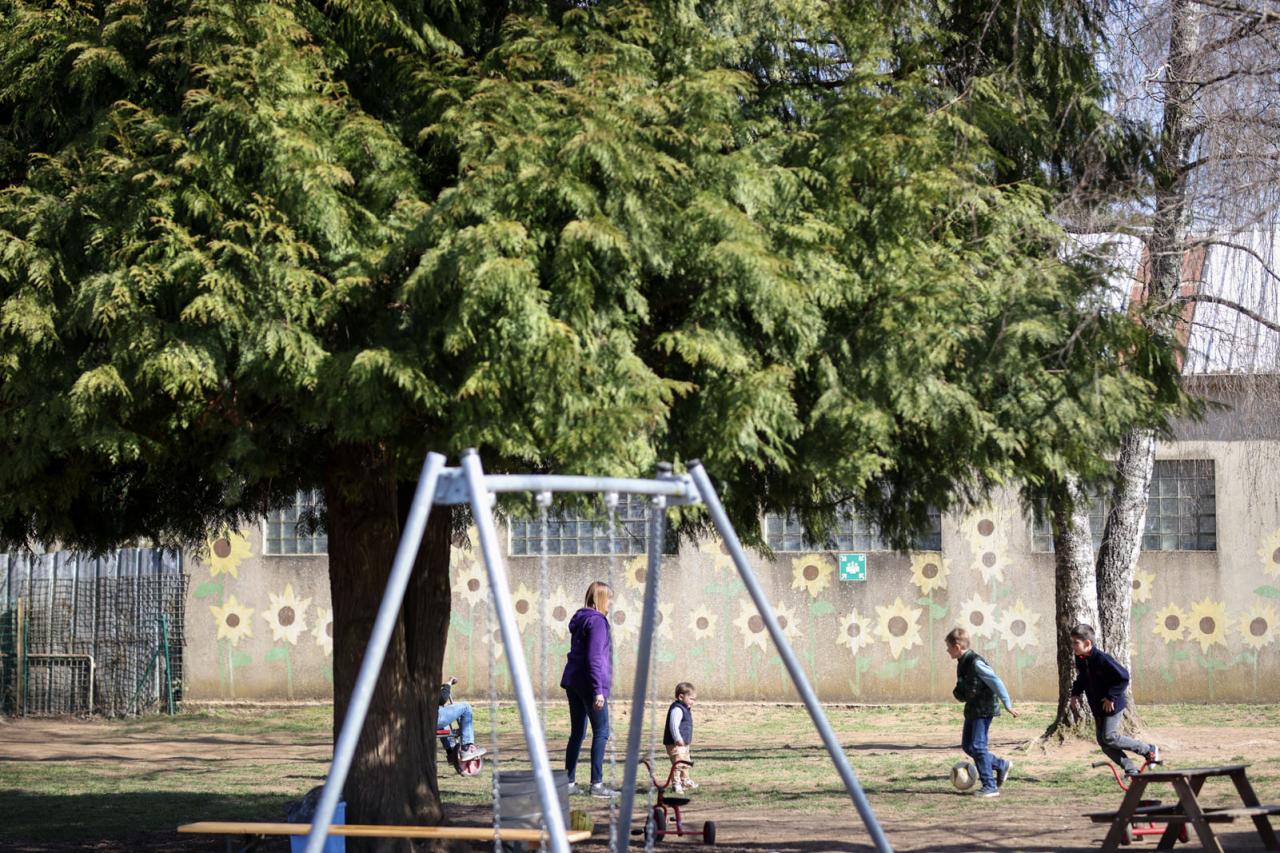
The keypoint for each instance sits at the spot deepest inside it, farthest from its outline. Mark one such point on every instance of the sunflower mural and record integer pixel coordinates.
(811, 574)
(1207, 624)
(227, 552)
(721, 592)
(234, 624)
(721, 561)
(929, 572)
(1269, 554)
(856, 633)
(323, 631)
(1017, 626)
(978, 616)
(898, 626)
(624, 619)
(1142, 586)
(560, 609)
(750, 625)
(1257, 629)
(702, 623)
(988, 545)
(287, 618)
(662, 621)
(525, 604)
(472, 583)
(636, 573)
(1172, 625)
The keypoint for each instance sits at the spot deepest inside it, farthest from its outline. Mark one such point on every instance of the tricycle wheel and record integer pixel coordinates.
(1182, 834)
(709, 832)
(657, 823)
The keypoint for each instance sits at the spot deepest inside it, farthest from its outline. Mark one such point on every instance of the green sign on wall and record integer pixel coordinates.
(853, 567)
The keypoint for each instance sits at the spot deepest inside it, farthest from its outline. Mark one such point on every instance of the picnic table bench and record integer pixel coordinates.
(252, 833)
(1188, 810)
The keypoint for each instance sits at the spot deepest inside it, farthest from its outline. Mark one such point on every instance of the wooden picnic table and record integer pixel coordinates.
(1187, 783)
(253, 832)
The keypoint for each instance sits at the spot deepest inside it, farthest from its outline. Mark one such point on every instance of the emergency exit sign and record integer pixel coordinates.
(853, 567)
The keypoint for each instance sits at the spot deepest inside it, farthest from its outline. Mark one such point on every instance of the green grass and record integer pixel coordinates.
(245, 764)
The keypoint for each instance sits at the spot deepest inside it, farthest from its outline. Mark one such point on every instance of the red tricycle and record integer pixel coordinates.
(1139, 827)
(656, 821)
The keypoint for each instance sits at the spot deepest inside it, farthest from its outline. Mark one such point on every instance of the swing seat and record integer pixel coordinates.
(678, 802)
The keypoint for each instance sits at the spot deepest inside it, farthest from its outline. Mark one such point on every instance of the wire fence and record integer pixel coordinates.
(80, 640)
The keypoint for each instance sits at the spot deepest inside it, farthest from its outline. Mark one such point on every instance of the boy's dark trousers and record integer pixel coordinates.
(1113, 743)
(973, 740)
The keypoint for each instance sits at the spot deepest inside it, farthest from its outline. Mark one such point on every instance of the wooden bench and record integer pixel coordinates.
(255, 832)
(1187, 813)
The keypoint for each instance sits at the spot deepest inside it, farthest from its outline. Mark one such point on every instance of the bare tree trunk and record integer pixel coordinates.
(393, 775)
(1122, 535)
(1075, 598)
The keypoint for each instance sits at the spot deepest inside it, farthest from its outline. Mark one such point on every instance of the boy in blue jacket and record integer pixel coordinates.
(1103, 681)
(982, 693)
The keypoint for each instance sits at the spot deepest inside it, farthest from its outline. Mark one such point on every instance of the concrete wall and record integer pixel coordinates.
(1205, 623)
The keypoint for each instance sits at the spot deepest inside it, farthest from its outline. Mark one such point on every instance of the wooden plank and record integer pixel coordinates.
(1260, 822)
(1120, 824)
(454, 833)
(1192, 772)
(1191, 805)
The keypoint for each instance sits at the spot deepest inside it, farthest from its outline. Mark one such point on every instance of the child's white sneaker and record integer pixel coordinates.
(677, 788)
(690, 785)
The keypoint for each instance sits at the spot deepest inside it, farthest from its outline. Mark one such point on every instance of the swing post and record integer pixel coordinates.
(721, 520)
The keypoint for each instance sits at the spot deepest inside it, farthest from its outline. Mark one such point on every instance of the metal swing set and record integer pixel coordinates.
(468, 484)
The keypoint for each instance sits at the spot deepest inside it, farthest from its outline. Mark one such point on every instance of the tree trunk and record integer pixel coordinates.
(1122, 536)
(393, 774)
(1075, 597)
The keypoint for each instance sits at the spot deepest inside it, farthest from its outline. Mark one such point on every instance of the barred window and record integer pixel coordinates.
(1182, 507)
(1042, 530)
(574, 532)
(1181, 510)
(851, 533)
(290, 530)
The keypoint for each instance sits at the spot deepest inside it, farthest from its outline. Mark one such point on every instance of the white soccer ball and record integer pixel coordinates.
(964, 775)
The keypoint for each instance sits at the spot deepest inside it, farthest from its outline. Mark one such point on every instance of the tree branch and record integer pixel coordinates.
(1234, 306)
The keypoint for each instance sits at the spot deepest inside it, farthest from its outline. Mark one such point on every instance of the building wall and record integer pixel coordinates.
(1204, 623)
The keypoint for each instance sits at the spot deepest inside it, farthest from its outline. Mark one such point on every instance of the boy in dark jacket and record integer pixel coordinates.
(677, 736)
(982, 693)
(1103, 681)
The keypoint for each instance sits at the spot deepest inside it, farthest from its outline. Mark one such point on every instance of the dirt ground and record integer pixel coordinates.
(1041, 808)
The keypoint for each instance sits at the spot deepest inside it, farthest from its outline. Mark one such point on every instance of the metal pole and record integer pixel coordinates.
(361, 695)
(721, 520)
(657, 529)
(499, 587)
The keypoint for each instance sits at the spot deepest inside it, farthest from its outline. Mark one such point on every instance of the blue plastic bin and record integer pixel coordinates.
(333, 844)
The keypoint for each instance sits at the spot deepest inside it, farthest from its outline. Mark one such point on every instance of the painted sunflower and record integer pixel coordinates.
(929, 571)
(287, 615)
(1257, 625)
(703, 623)
(787, 622)
(226, 553)
(1207, 624)
(1171, 623)
(899, 626)
(1269, 553)
(1142, 585)
(721, 561)
(323, 631)
(811, 573)
(559, 610)
(751, 625)
(233, 620)
(637, 572)
(472, 583)
(662, 620)
(856, 632)
(978, 617)
(624, 616)
(1018, 626)
(525, 604)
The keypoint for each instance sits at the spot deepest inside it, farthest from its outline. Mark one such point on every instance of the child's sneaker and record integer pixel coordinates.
(1003, 773)
(987, 792)
(1153, 757)
(603, 791)
(470, 751)
(677, 788)
(572, 788)
(690, 785)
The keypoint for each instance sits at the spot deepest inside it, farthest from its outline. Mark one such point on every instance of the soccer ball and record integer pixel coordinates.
(963, 775)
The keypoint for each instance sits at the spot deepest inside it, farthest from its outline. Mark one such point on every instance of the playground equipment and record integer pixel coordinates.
(657, 820)
(964, 775)
(468, 484)
(1138, 827)
(450, 738)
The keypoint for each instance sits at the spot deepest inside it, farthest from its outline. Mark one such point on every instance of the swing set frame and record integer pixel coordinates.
(468, 484)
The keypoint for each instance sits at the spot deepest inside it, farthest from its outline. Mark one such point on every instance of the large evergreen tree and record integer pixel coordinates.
(256, 246)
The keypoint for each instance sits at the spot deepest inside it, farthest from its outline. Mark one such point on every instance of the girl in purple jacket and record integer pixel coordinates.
(588, 675)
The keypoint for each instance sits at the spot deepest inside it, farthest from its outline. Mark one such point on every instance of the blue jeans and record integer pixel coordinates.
(582, 709)
(974, 743)
(458, 711)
